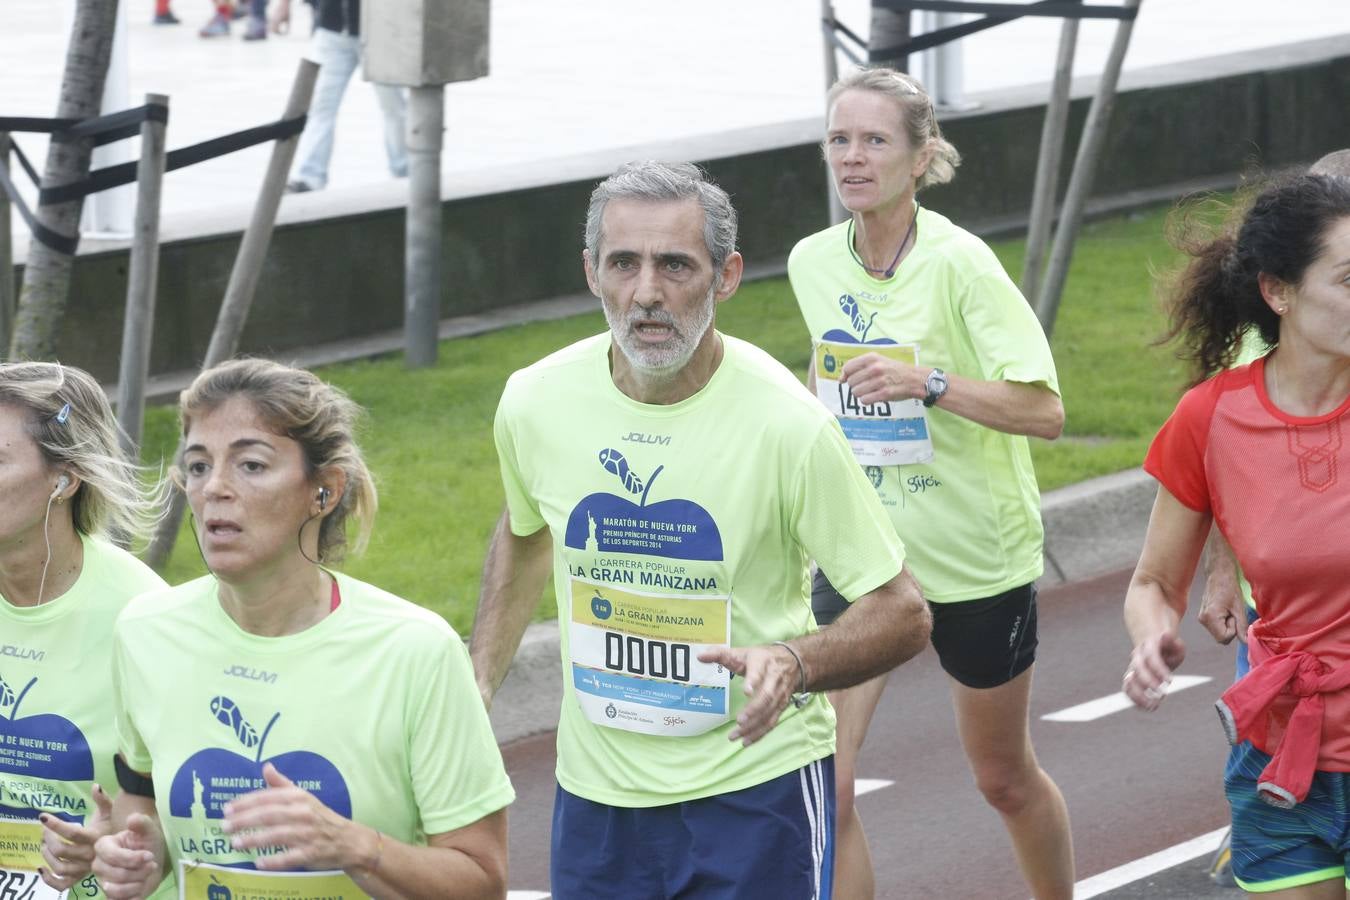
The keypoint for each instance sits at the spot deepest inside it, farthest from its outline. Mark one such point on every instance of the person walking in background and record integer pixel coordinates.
(164, 14)
(219, 24)
(336, 47)
(1258, 450)
(937, 370)
(66, 494)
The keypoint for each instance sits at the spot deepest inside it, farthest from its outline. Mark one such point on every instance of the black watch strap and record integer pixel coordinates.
(131, 781)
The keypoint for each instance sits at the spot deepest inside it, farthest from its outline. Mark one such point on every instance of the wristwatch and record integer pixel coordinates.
(936, 385)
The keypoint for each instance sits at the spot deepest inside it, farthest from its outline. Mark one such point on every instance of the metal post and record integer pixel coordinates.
(7, 287)
(111, 214)
(1047, 164)
(947, 68)
(142, 279)
(243, 279)
(835, 209)
(923, 63)
(422, 260)
(1084, 168)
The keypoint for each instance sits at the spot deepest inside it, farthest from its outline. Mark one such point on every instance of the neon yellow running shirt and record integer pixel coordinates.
(1250, 349)
(56, 713)
(373, 710)
(970, 517)
(676, 527)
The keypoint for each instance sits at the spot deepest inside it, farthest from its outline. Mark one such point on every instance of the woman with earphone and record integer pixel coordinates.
(65, 491)
(282, 726)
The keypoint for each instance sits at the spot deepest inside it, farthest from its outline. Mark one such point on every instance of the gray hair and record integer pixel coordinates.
(917, 117)
(1335, 163)
(68, 417)
(653, 180)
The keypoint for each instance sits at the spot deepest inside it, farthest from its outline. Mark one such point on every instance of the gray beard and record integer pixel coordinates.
(667, 360)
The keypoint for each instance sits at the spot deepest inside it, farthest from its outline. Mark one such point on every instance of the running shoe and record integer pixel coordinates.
(165, 18)
(256, 30)
(219, 26)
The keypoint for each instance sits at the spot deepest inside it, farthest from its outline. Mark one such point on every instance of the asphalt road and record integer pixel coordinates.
(1135, 783)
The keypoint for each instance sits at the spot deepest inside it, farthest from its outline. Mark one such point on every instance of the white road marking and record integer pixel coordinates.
(868, 785)
(1114, 703)
(527, 895)
(1148, 865)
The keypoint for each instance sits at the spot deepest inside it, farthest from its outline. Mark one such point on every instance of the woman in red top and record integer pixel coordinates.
(1264, 451)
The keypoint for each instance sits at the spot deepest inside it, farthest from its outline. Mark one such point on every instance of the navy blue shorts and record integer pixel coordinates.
(775, 839)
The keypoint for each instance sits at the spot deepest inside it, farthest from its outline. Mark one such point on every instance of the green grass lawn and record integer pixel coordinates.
(428, 435)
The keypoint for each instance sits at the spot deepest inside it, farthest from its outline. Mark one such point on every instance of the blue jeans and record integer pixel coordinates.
(338, 55)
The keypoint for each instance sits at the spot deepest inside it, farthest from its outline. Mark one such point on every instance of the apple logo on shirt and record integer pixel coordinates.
(614, 523)
(849, 307)
(37, 753)
(211, 778)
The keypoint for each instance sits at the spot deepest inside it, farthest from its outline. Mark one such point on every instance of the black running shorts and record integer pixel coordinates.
(981, 643)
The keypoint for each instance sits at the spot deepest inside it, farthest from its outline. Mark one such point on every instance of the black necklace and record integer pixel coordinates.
(889, 271)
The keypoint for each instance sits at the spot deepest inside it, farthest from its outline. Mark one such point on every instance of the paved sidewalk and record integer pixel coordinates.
(577, 77)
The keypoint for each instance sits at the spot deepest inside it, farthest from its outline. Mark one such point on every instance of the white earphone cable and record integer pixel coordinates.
(46, 537)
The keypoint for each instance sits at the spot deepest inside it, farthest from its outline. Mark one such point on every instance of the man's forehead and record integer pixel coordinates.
(637, 225)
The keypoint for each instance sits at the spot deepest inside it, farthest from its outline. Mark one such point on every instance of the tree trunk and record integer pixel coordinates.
(46, 277)
(888, 29)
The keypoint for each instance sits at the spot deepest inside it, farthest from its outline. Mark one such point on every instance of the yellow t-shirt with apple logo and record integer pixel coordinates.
(970, 512)
(676, 527)
(56, 715)
(373, 710)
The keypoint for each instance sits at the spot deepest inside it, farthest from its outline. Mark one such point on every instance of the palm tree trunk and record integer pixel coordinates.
(46, 277)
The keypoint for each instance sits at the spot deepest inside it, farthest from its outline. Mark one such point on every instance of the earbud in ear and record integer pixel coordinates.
(323, 498)
(61, 484)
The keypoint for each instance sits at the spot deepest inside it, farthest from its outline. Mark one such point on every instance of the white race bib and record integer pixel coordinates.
(890, 433)
(203, 881)
(635, 661)
(20, 856)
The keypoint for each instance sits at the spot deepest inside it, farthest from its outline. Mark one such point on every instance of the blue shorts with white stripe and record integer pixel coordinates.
(775, 839)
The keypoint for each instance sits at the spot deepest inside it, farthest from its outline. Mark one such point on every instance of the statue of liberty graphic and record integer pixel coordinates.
(198, 809)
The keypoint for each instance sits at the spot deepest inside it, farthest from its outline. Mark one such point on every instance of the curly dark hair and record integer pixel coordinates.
(1215, 299)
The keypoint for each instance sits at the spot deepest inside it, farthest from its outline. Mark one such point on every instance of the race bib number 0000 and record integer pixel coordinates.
(635, 659)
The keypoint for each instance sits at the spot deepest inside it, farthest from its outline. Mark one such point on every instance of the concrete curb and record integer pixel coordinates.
(1091, 528)
(1096, 526)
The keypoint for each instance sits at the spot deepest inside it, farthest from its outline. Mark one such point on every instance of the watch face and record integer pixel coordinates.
(936, 385)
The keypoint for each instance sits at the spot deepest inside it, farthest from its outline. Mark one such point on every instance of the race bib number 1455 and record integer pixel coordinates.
(887, 433)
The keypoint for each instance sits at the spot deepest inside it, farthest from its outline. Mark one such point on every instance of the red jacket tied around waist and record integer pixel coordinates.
(1244, 708)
